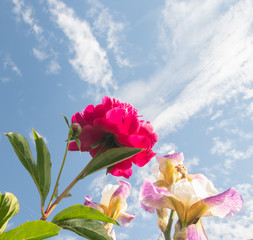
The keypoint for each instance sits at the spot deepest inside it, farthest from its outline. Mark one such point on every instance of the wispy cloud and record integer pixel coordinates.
(25, 13)
(53, 67)
(208, 51)
(90, 61)
(221, 40)
(5, 79)
(228, 149)
(112, 30)
(40, 55)
(166, 148)
(9, 64)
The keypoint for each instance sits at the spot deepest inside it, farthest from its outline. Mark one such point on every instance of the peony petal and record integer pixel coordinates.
(153, 197)
(77, 118)
(146, 129)
(125, 219)
(142, 158)
(122, 169)
(90, 136)
(88, 114)
(131, 125)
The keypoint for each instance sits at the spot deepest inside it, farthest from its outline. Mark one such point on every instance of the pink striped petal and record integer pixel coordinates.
(196, 232)
(192, 232)
(175, 158)
(125, 219)
(151, 197)
(225, 204)
(88, 202)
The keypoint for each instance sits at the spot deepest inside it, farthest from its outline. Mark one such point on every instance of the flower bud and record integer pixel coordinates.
(162, 218)
(76, 129)
(180, 233)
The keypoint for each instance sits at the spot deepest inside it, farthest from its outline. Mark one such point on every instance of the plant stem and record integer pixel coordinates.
(59, 175)
(68, 188)
(51, 207)
(168, 230)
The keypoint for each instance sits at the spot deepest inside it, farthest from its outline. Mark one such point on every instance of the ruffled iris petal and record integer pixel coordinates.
(153, 197)
(225, 204)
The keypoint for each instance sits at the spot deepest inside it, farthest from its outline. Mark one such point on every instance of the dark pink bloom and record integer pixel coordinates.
(115, 124)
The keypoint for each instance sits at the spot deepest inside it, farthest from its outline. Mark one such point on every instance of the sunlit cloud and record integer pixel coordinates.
(223, 55)
(209, 58)
(90, 60)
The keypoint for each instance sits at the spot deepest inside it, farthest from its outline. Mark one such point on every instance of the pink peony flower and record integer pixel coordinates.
(115, 124)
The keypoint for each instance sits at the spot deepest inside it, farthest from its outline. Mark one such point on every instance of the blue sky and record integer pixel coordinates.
(185, 65)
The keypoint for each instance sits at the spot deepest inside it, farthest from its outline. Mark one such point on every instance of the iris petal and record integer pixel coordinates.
(154, 197)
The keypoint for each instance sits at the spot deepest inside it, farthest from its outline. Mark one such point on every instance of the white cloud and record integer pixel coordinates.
(217, 115)
(90, 61)
(53, 67)
(71, 97)
(227, 148)
(105, 24)
(222, 42)
(190, 163)
(166, 148)
(40, 55)
(25, 13)
(8, 63)
(209, 56)
(98, 184)
(5, 79)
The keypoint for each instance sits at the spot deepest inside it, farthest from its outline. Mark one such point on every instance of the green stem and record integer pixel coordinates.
(168, 230)
(68, 188)
(59, 175)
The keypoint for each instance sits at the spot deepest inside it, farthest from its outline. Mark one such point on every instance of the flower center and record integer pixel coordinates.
(182, 169)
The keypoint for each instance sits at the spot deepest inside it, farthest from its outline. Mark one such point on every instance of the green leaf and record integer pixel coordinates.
(43, 167)
(23, 151)
(40, 173)
(89, 229)
(66, 120)
(33, 230)
(110, 157)
(9, 207)
(81, 212)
